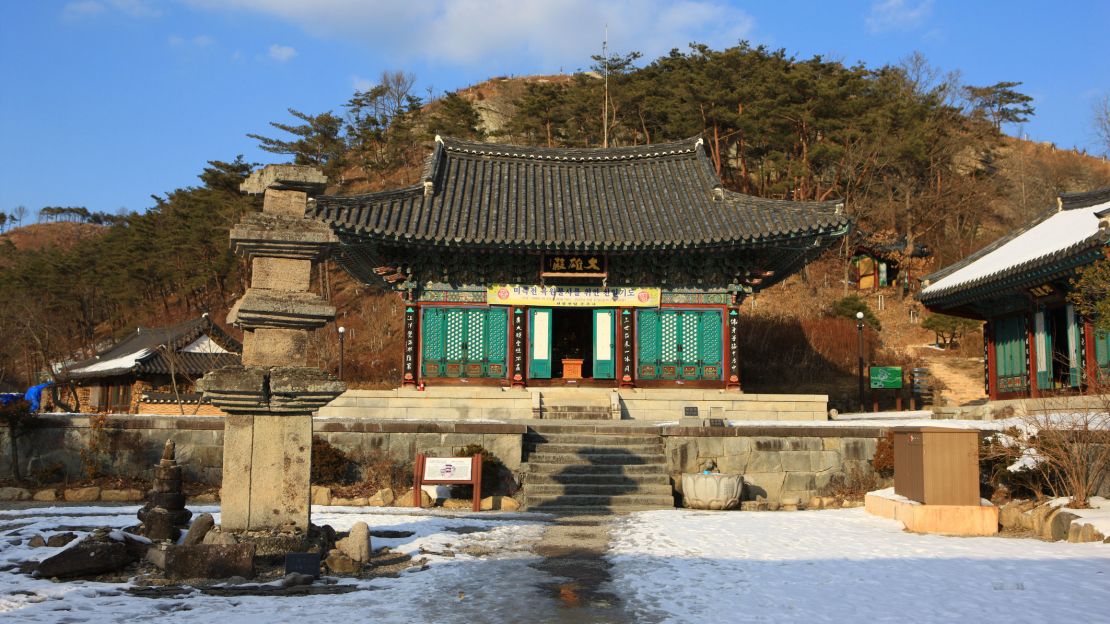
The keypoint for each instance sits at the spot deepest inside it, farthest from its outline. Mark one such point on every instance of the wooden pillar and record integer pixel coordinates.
(989, 358)
(627, 338)
(732, 348)
(517, 354)
(1091, 359)
(1030, 337)
(410, 366)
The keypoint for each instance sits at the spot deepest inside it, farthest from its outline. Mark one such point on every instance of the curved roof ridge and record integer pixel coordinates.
(583, 154)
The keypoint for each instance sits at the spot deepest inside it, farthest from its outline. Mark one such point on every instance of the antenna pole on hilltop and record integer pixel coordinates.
(605, 105)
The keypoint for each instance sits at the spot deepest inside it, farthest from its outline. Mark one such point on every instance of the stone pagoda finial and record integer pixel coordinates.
(271, 397)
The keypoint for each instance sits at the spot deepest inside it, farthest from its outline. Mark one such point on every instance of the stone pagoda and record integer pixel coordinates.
(271, 397)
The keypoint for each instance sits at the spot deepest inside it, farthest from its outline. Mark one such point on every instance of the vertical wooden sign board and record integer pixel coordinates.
(518, 346)
(409, 369)
(626, 348)
(733, 349)
(448, 471)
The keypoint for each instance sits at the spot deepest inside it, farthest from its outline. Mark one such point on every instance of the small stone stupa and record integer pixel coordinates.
(164, 515)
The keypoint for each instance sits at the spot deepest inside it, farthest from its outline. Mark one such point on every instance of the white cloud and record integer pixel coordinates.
(200, 41)
(282, 53)
(82, 8)
(136, 8)
(132, 8)
(463, 32)
(888, 15)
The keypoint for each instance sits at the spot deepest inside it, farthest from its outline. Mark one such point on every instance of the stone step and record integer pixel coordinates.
(583, 449)
(576, 488)
(611, 458)
(591, 439)
(595, 469)
(570, 408)
(532, 478)
(590, 414)
(587, 510)
(537, 503)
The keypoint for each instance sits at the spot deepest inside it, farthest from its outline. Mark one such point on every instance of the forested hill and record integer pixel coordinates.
(913, 153)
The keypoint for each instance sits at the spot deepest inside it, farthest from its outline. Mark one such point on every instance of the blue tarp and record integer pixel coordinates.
(34, 395)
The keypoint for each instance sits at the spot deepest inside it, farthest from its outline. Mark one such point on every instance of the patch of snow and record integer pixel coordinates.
(1058, 232)
(844, 566)
(1098, 515)
(203, 344)
(890, 494)
(124, 362)
(1029, 460)
(892, 415)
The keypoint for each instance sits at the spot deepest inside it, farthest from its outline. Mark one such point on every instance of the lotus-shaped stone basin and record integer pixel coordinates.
(711, 491)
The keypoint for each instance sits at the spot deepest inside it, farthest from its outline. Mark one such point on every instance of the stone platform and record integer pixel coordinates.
(942, 519)
(489, 403)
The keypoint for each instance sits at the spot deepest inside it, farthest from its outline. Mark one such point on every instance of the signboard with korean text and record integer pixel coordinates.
(573, 265)
(447, 469)
(573, 296)
(886, 377)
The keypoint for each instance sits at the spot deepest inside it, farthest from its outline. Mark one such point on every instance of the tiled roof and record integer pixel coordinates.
(143, 352)
(1064, 232)
(645, 197)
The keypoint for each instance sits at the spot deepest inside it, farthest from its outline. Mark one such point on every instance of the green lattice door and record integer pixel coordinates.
(464, 342)
(1010, 355)
(679, 344)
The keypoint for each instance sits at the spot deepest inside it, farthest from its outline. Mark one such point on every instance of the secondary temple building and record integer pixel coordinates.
(1034, 342)
(537, 267)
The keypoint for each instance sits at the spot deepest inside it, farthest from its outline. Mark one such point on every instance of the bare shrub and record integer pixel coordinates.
(1062, 446)
(852, 483)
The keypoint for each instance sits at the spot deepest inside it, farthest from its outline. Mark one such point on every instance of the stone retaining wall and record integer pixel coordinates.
(130, 445)
(648, 404)
(777, 462)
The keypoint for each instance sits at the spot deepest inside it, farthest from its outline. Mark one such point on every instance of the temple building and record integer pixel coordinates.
(1034, 342)
(615, 267)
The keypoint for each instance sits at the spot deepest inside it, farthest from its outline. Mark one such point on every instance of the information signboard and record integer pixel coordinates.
(886, 377)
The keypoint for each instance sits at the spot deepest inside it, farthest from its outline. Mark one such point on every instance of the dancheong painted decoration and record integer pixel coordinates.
(621, 266)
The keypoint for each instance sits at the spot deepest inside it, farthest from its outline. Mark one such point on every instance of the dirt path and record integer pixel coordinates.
(962, 377)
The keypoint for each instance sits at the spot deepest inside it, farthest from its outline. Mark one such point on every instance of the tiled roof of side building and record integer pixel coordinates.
(645, 197)
(140, 352)
(1063, 231)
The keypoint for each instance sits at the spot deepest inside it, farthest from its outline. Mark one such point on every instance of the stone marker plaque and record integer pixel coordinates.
(303, 563)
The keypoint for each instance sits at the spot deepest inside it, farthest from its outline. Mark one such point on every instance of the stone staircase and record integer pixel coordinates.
(576, 405)
(575, 469)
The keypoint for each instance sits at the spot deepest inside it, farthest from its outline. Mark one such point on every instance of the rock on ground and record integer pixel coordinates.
(321, 495)
(501, 503)
(82, 495)
(357, 544)
(340, 563)
(45, 496)
(14, 494)
(199, 529)
(382, 498)
(121, 496)
(210, 561)
(61, 539)
(219, 537)
(93, 555)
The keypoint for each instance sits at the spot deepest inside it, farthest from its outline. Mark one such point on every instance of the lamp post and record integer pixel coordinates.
(859, 332)
(343, 333)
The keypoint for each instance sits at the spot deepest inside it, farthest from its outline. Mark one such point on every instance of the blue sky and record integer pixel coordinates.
(106, 102)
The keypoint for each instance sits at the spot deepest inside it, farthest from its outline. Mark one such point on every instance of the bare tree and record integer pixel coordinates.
(1102, 122)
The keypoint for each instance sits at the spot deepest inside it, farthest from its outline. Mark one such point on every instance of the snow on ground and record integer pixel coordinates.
(845, 565)
(455, 586)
